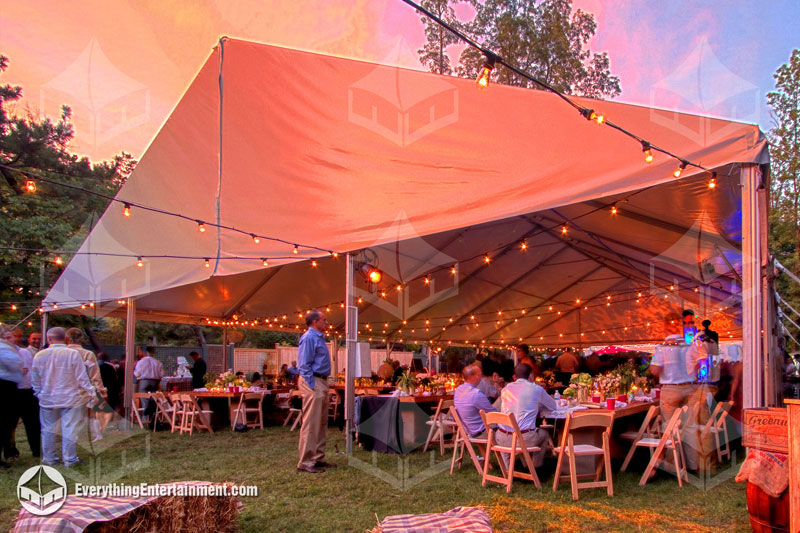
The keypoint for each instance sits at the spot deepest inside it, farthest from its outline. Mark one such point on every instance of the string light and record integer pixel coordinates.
(30, 185)
(58, 260)
(139, 262)
(334, 254)
(487, 259)
(295, 250)
(712, 183)
(201, 227)
(313, 263)
(614, 209)
(680, 169)
(453, 270)
(207, 263)
(486, 71)
(126, 210)
(265, 262)
(427, 280)
(13, 307)
(591, 115)
(255, 238)
(648, 153)
(523, 245)
(564, 229)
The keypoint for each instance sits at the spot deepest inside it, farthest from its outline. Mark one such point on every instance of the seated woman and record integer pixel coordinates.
(256, 381)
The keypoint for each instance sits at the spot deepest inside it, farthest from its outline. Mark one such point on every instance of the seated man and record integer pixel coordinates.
(525, 399)
(491, 386)
(469, 401)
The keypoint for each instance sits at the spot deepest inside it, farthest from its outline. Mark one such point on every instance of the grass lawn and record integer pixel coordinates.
(349, 497)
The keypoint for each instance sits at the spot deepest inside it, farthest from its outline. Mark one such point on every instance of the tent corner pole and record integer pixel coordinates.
(753, 358)
(130, 347)
(351, 340)
(45, 316)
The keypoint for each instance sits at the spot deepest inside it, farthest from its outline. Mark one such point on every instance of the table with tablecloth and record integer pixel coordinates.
(394, 424)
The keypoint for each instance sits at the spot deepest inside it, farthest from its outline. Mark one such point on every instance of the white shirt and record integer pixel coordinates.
(525, 398)
(27, 363)
(672, 360)
(148, 367)
(90, 362)
(59, 378)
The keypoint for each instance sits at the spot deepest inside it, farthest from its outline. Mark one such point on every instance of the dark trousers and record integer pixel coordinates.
(28, 410)
(8, 412)
(149, 385)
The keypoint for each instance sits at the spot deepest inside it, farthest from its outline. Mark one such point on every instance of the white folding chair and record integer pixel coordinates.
(517, 446)
(248, 410)
(670, 440)
(441, 423)
(464, 442)
(650, 428)
(569, 449)
(138, 406)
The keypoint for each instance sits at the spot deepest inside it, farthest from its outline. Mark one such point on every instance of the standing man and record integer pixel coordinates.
(198, 371)
(60, 381)
(75, 341)
(10, 376)
(526, 400)
(314, 369)
(148, 373)
(34, 343)
(27, 404)
(293, 372)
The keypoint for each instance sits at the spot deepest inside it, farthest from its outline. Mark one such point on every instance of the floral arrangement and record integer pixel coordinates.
(216, 381)
(608, 384)
(406, 382)
(570, 392)
(549, 377)
(581, 380)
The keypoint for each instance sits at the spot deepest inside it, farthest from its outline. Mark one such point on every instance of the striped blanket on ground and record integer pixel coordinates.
(466, 519)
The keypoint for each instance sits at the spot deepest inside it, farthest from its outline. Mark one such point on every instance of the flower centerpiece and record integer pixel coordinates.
(581, 383)
(221, 382)
(608, 384)
(406, 382)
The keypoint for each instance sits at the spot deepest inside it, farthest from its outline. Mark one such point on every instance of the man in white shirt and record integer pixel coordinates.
(62, 385)
(75, 341)
(148, 373)
(525, 399)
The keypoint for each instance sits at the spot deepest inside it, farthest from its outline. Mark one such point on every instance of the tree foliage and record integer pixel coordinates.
(52, 217)
(545, 38)
(784, 140)
(437, 38)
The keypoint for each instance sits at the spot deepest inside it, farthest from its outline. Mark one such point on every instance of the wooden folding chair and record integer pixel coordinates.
(517, 446)
(249, 405)
(138, 406)
(670, 440)
(569, 449)
(192, 416)
(293, 411)
(165, 411)
(650, 428)
(464, 441)
(716, 426)
(440, 423)
(333, 404)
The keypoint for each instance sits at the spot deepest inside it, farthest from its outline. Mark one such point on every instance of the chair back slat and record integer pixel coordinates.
(604, 420)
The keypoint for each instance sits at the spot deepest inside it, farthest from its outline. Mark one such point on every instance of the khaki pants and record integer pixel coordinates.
(314, 428)
(537, 437)
(674, 397)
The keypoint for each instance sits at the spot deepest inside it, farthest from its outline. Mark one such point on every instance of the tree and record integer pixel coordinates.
(52, 217)
(433, 54)
(545, 39)
(784, 139)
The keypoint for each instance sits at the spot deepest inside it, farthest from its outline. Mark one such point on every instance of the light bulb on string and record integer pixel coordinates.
(139, 262)
(313, 263)
(295, 250)
(712, 183)
(30, 185)
(453, 270)
(614, 209)
(564, 229)
(126, 210)
(207, 263)
(334, 254)
(648, 152)
(265, 262)
(255, 238)
(487, 259)
(590, 114)
(523, 245)
(485, 74)
(427, 280)
(58, 260)
(680, 169)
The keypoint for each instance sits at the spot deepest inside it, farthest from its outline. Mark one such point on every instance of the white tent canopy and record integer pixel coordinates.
(427, 173)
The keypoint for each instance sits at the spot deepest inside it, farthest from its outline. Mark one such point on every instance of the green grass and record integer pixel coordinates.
(348, 498)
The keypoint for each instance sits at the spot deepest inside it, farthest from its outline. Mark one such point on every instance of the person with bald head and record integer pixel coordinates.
(469, 400)
(62, 385)
(34, 342)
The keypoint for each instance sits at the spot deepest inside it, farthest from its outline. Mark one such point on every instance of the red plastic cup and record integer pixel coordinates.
(622, 398)
(596, 398)
(658, 393)
(610, 403)
(230, 388)
(175, 388)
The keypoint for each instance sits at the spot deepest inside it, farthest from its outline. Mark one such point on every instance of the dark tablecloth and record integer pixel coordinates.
(380, 426)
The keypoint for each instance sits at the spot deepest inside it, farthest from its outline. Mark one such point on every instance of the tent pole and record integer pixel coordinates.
(752, 357)
(130, 352)
(44, 329)
(351, 322)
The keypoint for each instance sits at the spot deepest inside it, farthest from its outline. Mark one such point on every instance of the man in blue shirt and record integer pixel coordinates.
(314, 369)
(469, 401)
(10, 375)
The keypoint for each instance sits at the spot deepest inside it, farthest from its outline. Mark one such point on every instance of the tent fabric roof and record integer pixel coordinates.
(426, 172)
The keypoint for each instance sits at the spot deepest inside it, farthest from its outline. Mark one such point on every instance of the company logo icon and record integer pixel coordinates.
(41, 490)
(400, 105)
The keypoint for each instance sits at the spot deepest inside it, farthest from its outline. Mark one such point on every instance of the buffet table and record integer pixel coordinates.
(395, 424)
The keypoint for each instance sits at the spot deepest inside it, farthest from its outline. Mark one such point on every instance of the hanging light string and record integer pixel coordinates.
(589, 114)
(127, 205)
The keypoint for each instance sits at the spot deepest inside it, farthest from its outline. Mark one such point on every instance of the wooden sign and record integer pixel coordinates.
(766, 429)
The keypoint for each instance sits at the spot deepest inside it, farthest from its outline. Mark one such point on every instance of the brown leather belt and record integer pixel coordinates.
(511, 432)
